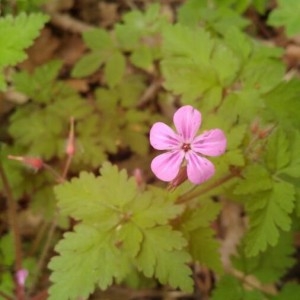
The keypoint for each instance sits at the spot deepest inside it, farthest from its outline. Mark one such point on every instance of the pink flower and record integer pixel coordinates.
(185, 148)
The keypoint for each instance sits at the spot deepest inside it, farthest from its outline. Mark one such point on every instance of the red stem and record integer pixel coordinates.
(12, 218)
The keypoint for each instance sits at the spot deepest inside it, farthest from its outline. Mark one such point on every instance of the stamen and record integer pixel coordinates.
(186, 147)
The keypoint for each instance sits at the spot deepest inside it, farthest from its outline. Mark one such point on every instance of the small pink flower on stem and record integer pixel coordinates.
(185, 148)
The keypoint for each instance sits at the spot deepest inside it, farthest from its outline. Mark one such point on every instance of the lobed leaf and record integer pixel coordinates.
(161, 256)
(250, 184)
(269, 212)
(287, 15)
(230, 288)
(270, 265)
(16, 34)
(86, 258)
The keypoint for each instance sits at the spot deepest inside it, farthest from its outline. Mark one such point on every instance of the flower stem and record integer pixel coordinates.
(253, 283)
(12, 218)
(44, 253)
(195, 193)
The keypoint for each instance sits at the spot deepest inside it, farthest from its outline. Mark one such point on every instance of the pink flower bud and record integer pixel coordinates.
(21, 276)
(70, 147)
(34, 163)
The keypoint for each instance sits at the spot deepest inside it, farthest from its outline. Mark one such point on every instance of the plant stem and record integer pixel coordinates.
(39, 236)
(60, 179)
(67, 166)
(44, 253)
(12, 218)
(54, 173)
(253, 282)
(195, 193)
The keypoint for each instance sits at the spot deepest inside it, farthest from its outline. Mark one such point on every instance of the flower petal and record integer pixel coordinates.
(199, 169)
(187, 121)
(166, 166)
(162, 137)
(211, 143)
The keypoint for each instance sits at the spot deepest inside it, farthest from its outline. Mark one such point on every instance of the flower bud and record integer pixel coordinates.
(34, 163)
(179, 179)
(21, 276)
(70, 147)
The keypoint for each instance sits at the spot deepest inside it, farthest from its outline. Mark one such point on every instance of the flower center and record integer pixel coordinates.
(186, 147)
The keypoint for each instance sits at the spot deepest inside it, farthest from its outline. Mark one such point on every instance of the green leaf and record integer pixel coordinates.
(16, 34)
(186, 63)
(88, 64)
(7, 253)
(130, 90)
(2, 80)
(178, 42)
(269, 212)
(39, 133)
(288, 292)
(293, 168)
(154, 210)
(202, 244)
(278, 151)
(161, 256)
(226, 64)
(14, 171)
(282, 104)
(39, 86)
(287, 15)
(235, 136)
(270, 265)
(83, 252)
(203, 215)
(230, 288)
(98, 40)
(250, 184)
(129, 237)
(239, 43)
(142, 57)
(261, 5)
(114, 69)
(215, 16)
(91, 198)
(244, 100)
(253, 75)
(204, 248)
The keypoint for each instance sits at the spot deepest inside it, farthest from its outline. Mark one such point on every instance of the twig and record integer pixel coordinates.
(149, 93)
(68, 23)
(12, 217)
(252, 282)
